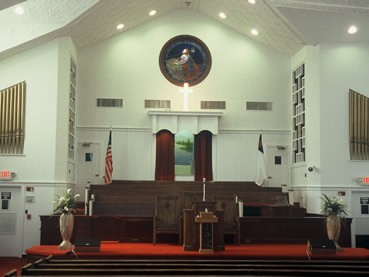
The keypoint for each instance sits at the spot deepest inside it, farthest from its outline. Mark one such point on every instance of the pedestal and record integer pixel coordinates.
(191, 228)
(206, 220)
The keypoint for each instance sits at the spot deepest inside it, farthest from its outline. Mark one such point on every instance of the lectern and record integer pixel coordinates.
(191, 229)
(206, 220)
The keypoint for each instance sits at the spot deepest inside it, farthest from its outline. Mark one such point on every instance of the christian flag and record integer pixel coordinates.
(108, 162)
(260, 169)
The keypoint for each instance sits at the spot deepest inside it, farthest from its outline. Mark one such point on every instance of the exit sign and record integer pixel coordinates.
(365, 180)
(5, 175)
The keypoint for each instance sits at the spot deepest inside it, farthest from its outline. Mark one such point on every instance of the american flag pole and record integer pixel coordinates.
(109, 161)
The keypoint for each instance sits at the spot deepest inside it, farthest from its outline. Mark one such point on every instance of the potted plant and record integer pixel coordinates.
(335, 210)
(66, 205)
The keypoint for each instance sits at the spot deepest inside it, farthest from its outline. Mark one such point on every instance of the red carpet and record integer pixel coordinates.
(9, 263)
(167, 251)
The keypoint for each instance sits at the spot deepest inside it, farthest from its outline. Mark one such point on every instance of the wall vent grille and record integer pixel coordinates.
(258, 106)
(160, 104)
(213, 105)
(109, 103)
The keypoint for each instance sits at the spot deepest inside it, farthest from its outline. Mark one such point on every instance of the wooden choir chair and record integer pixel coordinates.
(231, 213)
(167, 218)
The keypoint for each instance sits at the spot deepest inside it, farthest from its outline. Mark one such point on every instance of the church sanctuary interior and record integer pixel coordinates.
(184, 137)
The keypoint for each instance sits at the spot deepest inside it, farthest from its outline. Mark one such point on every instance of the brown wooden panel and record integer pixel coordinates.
(282, 211)
(123, 208)
(167, 211)
(252, 229)
(135, 229)
(190, 197)
(168, 219)
(192, 229)
(50, 231)
(82, 227)
(137, 198)
(230, 212)
(106, 228)
(101, 227)
(135, 201)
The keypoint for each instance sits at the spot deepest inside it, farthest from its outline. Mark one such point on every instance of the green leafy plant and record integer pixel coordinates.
(333, 206)
(66, 203)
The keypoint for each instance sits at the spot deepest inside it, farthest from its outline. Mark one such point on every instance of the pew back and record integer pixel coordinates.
(137, 198)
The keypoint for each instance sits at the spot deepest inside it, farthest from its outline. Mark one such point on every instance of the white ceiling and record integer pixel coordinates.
(284, 25)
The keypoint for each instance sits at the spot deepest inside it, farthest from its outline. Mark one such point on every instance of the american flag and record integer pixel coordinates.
(108, 162)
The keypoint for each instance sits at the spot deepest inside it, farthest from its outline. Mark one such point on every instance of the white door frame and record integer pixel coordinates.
(96, 179)
(270, 160)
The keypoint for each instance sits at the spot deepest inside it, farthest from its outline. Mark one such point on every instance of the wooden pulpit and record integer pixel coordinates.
(191, 229)
(206, 220)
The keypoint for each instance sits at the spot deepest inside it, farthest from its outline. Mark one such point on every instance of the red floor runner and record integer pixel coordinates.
(9, 263)
(249, 251)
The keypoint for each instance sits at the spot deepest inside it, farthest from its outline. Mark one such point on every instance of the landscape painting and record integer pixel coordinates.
(183, 152)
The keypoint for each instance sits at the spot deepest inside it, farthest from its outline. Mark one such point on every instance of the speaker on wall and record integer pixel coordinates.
(321, 246)
(362, 241)
(87, 245)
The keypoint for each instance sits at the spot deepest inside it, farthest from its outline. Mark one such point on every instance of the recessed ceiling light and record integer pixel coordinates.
(254, 32)
(252, 1)
(19, 10)
(120, 26)
(222, 15)
(153, 12)
(352, 29)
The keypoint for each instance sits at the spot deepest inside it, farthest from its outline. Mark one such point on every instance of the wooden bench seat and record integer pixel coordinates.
(140, 199)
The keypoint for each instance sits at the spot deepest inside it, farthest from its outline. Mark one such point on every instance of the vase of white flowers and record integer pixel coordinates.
(335, 210)
(66, 205)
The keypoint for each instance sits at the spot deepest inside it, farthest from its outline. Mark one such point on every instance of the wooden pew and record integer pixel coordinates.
(128, 208)
(266, 230)
(137, 198)
(107, 228)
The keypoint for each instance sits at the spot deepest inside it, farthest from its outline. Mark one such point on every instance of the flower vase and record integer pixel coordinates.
(333, 224)
(66, 223)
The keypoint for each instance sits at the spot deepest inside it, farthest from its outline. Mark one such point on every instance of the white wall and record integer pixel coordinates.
(43, 165)
(127, 66)
(11, 221)
(64, 171)
(39, 68)
(237, 153)
(133, 156)
(331, 70)
(343, 67)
